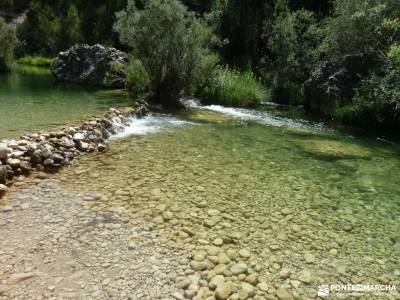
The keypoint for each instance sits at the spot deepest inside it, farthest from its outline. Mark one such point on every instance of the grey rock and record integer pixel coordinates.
(94, 65)
(3, 174)
(78, 137)
(238, 268)
(57, 158)
(36, 156)
(3, 190)
(83, 146)
(48, 162)
(46, 153)
(13, 162)
(223, 291)
(101, 147)
(3, 151)
(25, 166)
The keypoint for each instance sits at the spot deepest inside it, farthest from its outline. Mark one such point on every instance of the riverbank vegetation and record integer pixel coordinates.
(8, 42)
(284, 43)
(169, 46)
(37, 61)
(233, 88)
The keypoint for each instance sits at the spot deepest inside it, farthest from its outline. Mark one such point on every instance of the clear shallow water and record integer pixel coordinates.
(283, 188)
(30, 100)
(281, 192)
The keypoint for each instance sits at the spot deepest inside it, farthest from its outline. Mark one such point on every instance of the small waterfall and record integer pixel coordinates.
(149, 124)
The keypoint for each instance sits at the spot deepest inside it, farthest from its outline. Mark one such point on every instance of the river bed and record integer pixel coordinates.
(276, 206)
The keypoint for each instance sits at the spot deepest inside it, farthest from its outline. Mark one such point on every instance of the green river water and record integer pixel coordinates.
(314, 206)
(30, 100)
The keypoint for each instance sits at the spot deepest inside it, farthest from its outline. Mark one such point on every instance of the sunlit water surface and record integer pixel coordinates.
(283, 188)
(30, 100)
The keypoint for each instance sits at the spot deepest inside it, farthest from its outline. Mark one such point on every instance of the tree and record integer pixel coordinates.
(293, 43)
(199, 6)
(239, 25)
(8, 41)
(357, 27)
(97, 19)
(71, 32)
(40, 32)
(170, 43)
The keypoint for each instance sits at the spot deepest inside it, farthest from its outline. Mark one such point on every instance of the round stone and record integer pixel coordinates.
(218, 242)
(244, 253)
(223, 291)
(239, 268)
(283, 294)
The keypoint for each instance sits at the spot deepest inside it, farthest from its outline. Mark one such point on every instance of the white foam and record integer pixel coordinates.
(262, 117)
(149, 124)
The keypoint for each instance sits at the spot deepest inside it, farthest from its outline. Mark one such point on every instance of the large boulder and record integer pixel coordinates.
(92, 65)
(333, 84)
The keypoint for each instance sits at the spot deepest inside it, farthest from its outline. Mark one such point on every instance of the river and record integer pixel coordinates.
(30, 100)
(293, 202)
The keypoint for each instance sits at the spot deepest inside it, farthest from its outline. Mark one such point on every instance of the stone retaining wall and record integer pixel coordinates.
(50, 151)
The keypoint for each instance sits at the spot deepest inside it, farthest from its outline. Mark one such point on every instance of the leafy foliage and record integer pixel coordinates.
(38, 61)
(138, 80)
(378, 99)
(295, 37)
(239, 25)
(361, 26)
(281, 41)
(39, 33)
(8, 41)
(169, 42)
(233, 88)
(53, 26)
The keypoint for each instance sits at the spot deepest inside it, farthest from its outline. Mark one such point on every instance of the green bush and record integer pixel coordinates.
(361, 26)
(8, 41)
(171, 45)
(38, 61)
(377, 102)
(137, 78)
(232, 88)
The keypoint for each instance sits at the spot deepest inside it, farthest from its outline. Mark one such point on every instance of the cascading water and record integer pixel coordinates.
(262, 117)
(149, 124)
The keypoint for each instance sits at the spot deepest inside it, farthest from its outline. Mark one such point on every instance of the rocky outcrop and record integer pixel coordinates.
(51, 151)
(333, 84)
(91, 65)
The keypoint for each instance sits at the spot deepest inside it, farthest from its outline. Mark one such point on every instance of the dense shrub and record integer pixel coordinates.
(233, 88)
(38, 61)
(138, 80)
(8, 41)
(170, 43)
(360, 26)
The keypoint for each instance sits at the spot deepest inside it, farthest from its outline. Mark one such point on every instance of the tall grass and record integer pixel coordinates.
(228, 87)
(37, 61)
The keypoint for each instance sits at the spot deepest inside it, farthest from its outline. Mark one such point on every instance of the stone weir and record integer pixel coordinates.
(50, 151)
